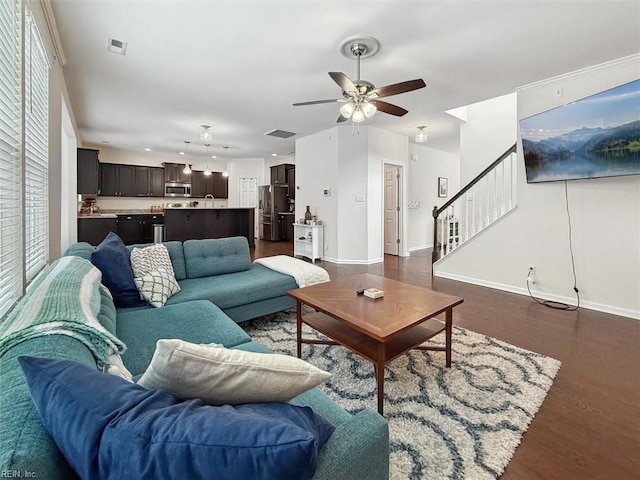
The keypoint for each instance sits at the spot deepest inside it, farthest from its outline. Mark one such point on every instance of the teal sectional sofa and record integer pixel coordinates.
(213, 299)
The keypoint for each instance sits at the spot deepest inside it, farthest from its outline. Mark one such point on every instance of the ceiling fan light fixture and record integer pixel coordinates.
(346, 110)
(421, 134)
(369, 109)
(358, 115)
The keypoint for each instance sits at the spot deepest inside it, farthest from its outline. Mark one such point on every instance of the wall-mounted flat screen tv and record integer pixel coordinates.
(597, 136)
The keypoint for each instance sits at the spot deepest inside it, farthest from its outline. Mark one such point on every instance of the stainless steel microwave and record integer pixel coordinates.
(177, 189)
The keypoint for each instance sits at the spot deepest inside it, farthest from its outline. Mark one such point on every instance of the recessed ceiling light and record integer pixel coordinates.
(147, 149)
(105, 141)
(181, 153)
(213, 156)
(274, 154)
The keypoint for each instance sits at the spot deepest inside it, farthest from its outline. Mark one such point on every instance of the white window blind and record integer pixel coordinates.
(36, 150)
(11, 283)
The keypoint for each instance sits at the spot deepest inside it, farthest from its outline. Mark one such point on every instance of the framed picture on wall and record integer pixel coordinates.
(443, 186)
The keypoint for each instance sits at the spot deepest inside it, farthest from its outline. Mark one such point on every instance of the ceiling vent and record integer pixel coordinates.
(116, 46)
(280, 133)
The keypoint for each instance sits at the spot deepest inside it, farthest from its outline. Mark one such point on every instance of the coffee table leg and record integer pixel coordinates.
(448, 334)
(299, 328)
(379, 368)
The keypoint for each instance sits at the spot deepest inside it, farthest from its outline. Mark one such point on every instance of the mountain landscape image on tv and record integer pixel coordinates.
(597, 136)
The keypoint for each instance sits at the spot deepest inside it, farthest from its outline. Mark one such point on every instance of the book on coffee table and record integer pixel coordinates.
(373, 292)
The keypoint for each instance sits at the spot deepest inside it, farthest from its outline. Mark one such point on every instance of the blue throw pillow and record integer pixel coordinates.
(113, 259)
(107, 428)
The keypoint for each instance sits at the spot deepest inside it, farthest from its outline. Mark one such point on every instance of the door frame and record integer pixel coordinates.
(401, 212)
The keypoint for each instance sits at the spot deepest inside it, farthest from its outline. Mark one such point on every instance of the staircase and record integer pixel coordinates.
(483, 201)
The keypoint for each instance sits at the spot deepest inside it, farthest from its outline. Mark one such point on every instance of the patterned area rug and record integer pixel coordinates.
(459, 423)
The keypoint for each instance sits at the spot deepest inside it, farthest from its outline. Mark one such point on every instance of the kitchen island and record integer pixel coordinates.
(193, 223)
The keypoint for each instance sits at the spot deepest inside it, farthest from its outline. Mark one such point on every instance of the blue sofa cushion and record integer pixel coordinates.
(196, 322)
(122, 430)
(240, 288)
(209, 257)
(112, 258)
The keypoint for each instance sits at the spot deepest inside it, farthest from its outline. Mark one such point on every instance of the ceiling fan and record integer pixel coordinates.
(360, 97)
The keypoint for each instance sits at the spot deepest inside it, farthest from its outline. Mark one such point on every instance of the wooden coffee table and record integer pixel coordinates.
(378, 330)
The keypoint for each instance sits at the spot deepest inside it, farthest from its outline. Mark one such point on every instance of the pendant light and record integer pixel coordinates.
(225, 173)
(421, 134)
(207, 171)
(187, 168)
(206, 135)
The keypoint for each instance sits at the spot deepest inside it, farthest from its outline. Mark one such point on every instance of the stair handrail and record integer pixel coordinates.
(437, 211)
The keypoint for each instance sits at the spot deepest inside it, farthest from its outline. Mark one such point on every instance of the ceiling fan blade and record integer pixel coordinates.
(389, 108)
(341, 118)
(316, 102)
(344, 82)
(397, 88)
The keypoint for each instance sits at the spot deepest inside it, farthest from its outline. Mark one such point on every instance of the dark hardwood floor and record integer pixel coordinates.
(589, 425)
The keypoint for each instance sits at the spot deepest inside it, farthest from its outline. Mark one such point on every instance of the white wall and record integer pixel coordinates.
(422, 181)
(605, 217)
(349, 165)
(392, 148)
(491, 129)
(316, 169)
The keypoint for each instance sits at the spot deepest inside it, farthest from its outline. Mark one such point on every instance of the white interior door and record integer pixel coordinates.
(249, 196)
(391, 210)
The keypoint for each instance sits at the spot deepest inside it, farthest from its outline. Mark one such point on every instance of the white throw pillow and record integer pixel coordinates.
(149, 259)
(222, 376)
(156, 287)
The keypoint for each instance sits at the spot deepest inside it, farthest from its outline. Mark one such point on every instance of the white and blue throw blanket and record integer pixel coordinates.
(64, 299)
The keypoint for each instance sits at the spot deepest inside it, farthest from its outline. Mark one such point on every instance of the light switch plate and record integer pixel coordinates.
(360, 197)
(326, 192)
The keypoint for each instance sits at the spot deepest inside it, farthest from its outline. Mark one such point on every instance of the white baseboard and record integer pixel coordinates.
(420, 247)
(600, 307)
(343, 261)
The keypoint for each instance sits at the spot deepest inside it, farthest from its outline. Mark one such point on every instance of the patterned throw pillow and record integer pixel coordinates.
(156, 287)
(149, 259)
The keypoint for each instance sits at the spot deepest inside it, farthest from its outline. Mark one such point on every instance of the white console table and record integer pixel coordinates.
(308, 241)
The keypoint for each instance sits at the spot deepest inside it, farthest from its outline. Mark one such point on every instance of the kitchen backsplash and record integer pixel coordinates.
(145, 203)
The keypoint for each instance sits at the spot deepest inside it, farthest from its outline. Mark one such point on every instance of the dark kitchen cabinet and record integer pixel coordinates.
(88, 171)
(93, 230)
(291, 183)
(141, 182)
(117, 180)
(148, 182)
(215, 184)
(199, 184)
(220, 185)
(156, 181)
(279, 173)
(131, 229)
(285, 227)
(173, 172)
(137, 228)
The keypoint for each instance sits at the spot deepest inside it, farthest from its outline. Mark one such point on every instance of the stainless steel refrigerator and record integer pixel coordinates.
(272, 199)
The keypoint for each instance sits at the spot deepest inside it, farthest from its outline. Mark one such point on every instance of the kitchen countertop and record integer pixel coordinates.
(209, 208)
(97, 215)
